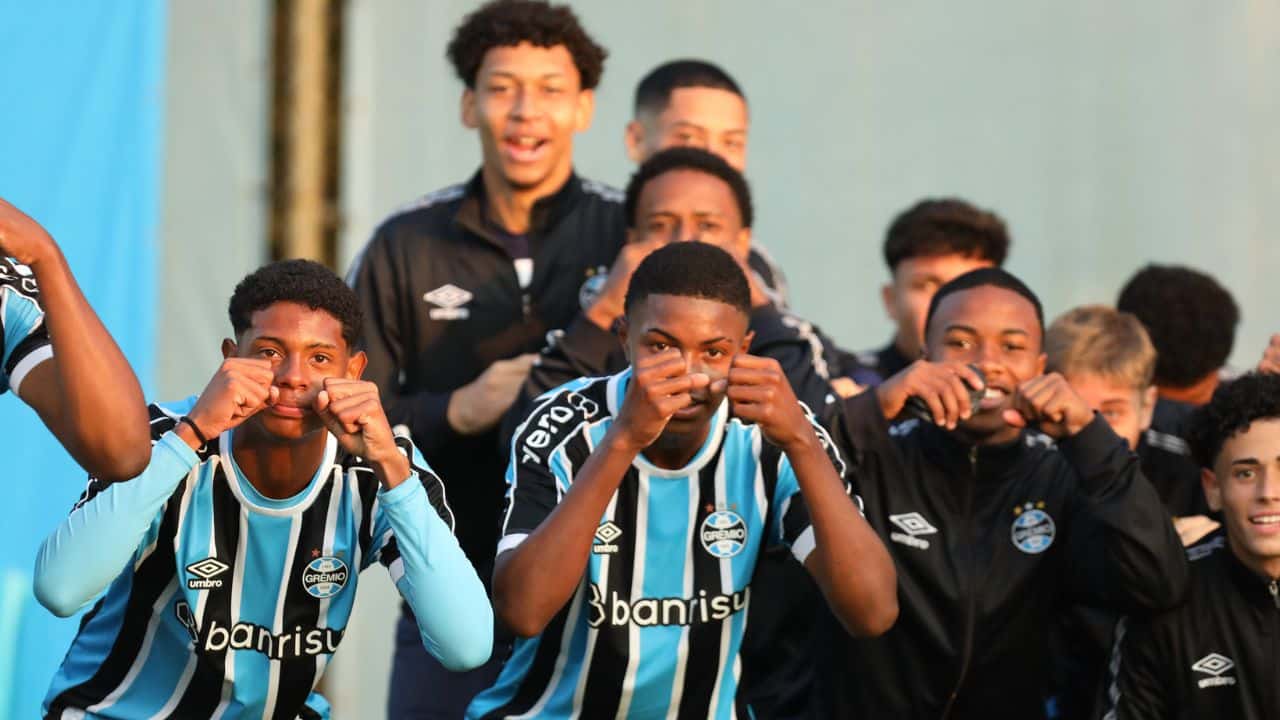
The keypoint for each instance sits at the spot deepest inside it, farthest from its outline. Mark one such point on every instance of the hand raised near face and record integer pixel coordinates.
(661, 385)
(1050, 402)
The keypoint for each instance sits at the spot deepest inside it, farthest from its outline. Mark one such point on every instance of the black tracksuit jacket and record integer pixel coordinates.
(442, 302)
(987, 541)
(1214, 657)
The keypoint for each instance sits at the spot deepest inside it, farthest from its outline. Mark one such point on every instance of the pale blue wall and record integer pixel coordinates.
(81, 99)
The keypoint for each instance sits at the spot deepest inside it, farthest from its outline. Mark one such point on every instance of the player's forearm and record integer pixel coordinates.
(848, 561)
(448, 600)
(88, 549)
(95, 386)
(533, 581)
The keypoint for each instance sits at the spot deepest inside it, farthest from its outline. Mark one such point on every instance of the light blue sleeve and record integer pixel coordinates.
(433, 575)
(23, 319)
(90, 547)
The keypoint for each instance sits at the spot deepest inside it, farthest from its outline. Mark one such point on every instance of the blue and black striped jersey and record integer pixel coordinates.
(24, 342)
(654, 628)
(233, 603)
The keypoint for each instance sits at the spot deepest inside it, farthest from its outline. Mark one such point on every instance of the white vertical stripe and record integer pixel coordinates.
(592, 633)
(144, 652)
(640, 538)
(566, 642)
(726, 587)
(762, 502)
(682, 655)
(330, 530)
(237, 592)
(179, 690)
(273, 665)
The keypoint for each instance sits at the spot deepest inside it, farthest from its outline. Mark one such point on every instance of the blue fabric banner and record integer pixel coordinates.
(81, 101)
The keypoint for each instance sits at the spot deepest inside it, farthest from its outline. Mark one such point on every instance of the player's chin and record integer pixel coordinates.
(287, 427)
(985, 422)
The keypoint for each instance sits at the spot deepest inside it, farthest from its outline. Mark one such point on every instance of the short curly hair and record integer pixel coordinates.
(688, 158)
(1235, 406)
(947, 226)
(305, 282)
(507, 23)
(1190, 317)
(690, 269)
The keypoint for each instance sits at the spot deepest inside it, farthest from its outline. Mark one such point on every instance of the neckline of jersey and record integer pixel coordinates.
(255, 501)
(617, 390)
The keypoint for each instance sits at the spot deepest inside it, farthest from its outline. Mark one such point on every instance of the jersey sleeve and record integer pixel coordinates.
(385, 549)
(1137, 686)
(545, 452)
(110, 524)
(789, 522)
(26, 340)
(414, 531)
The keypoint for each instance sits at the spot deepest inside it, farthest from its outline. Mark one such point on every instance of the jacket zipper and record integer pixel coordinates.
(971, 605)
(1274, 589)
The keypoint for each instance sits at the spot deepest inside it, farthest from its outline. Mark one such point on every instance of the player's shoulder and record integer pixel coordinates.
(596, 191)
(18, 278)
(560, 413)
(426, 217)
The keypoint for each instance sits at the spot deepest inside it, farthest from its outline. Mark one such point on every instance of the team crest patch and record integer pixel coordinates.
(723, 534)
(592, 286)
(324, 577)
(1033, 530)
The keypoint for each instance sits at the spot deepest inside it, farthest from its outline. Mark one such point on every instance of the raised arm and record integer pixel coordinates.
(836, 545)
(545, 548)
(414, 542)
(87, 382)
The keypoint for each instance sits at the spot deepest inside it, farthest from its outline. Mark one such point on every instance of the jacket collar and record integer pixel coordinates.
(1255, 588)
(993, 463)
(547, 211)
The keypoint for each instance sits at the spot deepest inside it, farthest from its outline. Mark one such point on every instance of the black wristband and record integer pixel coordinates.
(192, 424)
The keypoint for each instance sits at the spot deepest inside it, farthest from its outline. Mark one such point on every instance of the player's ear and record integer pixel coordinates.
(470, 118)
(1041, 362)
(1148, 409)
(1212, 490)
(356, 365)
(746, 341)
(586, 110)
(634, 138)
(623, 329)
(886, 297)
(228, 348)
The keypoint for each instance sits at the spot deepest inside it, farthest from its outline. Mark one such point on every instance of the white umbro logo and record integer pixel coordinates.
(206, 573)
(912, 524)
(450, 298)
(605, 535)
(1214, 665)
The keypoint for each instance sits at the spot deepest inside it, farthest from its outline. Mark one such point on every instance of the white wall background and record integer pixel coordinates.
(1106, 134)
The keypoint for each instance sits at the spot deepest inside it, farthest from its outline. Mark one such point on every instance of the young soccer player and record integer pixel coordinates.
(695, 103)
(927, 246)
(462, 287)
(1215, 656)
(230, 565)
(56, 355)
(1192, 322)
(990, 522)
(639, 503)
(1108, 359)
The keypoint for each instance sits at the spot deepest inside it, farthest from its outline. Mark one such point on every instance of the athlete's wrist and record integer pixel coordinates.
(392, 471)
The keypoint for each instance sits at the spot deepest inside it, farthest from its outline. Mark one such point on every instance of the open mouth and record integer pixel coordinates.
(992, 398)
(523, 148)
(1268, 524)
